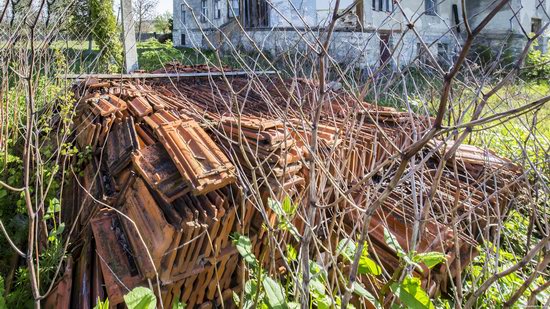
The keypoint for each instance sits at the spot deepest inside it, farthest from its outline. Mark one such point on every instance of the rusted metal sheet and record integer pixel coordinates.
(121, 143)
(196, 156)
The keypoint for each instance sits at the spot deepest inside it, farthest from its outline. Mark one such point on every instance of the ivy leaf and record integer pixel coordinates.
(274, 294)
(244, 246)
(411, 294)
(140, 298)
(360, 290)
(430, 259)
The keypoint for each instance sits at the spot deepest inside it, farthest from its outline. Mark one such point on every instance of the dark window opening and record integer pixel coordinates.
(255, 13)
(385, 52)
(536, 23)
(217, 9)
(382, 5)
(183, 39)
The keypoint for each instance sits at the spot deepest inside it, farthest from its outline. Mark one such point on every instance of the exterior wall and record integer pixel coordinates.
(193, 23)
(507, 26)
(360, 43)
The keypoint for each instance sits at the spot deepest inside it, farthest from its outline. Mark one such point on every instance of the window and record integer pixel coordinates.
(204, 11)
(233, 8)
(217, 9)
(255, 13)
(536, 23)
(183, 39)
(183, 14)
(382, 5)
(431, 7)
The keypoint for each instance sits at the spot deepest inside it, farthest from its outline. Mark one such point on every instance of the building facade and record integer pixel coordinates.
(372, 31)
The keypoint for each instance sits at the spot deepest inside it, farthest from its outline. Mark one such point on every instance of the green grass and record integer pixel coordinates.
(152, 55)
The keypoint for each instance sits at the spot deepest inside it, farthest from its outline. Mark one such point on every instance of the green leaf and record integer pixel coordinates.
(2, 300)
(236, 299)
(316, 287)
(276, 207)
(292, 254)
(294, 305)
(346, 248)
(430, 259)
(179, 305)
(54, 206)
(288, 207)
(324, 302)
(411, 294)
(140, 298)
(274, 293)
(250, 287)
(244, 246)
(368, 266)
(393, 243)
(360, 290)
(99, 305)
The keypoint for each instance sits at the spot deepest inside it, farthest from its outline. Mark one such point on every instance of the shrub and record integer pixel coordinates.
(537, 64)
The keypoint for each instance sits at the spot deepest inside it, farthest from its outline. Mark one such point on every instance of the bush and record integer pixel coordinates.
(537, 65)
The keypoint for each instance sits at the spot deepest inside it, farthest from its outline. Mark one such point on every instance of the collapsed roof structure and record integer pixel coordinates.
(177, 166)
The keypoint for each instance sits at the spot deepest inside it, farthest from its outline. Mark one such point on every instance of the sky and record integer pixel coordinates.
(163, 6)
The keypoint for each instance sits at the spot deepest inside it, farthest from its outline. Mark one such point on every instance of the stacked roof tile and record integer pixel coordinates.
(177, 167)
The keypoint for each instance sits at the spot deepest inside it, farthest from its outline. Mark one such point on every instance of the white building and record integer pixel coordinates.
(372, 31)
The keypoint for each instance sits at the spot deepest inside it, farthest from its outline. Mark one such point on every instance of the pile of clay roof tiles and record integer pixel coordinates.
(174, 171)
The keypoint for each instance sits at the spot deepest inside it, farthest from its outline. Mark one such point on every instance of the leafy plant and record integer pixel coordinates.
(537, 64)
(2, 300)
(106, 35)
(140, 298)
(409, 291)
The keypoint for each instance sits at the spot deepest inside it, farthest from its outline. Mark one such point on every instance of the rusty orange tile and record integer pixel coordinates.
(139, 107)
(118, 265)
(196, 156)
(155, 166)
